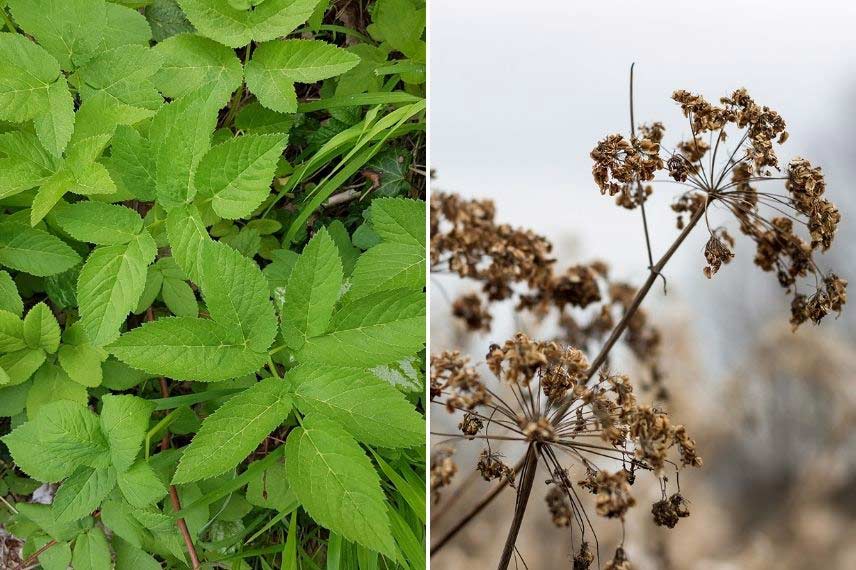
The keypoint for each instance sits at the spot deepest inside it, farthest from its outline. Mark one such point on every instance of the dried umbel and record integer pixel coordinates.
(619, 561)
(492, 467)
(788, 228)
(584, 558)
(668, 512)
(559, 410)
(471, 310)
(467, 241)
(443, 469)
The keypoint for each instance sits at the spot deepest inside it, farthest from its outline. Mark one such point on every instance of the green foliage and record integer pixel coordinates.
(184, 312)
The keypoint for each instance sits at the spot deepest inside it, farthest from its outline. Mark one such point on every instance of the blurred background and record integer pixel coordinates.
(520, 94)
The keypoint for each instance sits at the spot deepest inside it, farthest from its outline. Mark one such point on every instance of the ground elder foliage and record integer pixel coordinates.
(212, 309)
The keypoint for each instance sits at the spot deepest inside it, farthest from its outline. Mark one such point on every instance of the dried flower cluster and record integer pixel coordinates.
(771, 220)
(588, 303)
(558, 409)
(467, 241)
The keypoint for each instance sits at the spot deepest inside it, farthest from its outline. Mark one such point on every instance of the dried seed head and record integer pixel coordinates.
(619, 561)
(717, 253)
(469, 308)
(669, 511)
(492, 467)
(451, 375)
(678, 168)
(613, 492)
(584, 558)
(443, 469)
(470, 425)
(559, 506)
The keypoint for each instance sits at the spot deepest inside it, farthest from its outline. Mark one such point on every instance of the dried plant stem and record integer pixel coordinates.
(523, 492)
(619, 329)
(475, 511)
(634, 306)
(173, 492)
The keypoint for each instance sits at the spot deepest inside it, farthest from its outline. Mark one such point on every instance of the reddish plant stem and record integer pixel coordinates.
(173, 492)
(32, 558)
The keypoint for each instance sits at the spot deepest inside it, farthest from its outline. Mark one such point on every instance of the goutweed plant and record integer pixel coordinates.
(583, 424)
(212, 306)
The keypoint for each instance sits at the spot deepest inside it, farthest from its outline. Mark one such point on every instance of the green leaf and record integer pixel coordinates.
(11, 332)
(187, 238)
(125, 26)
(337, 484)
(370, 409)
(97, 222)
(221, 21)
(237, 297)
(312, 291)
(388, 266)
(54, 127)
(179, 298)
(71, 31)
(123, 75)
(82, 493)
(277, 66)
(237, 174)
(232, 432)
(130, 558)
(10, 299)
(26, 74)
(57, 557)
(399, 220)
(132, 162)
(34, 251)
(187, 349)
(43, 517)
(270, 489)
(376, 329)
(91, 551)
(110, 284)
(180, 134)
(117, 515)
(41, 329)
(141, 486)
(21, 364)
(191, 61)
(63, 436)
(26, 163)
(166, 19)
(79, 358)
(52, 384)
(400, 24)
(124, 422)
